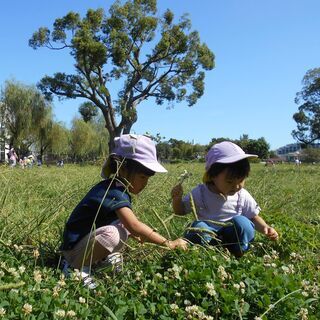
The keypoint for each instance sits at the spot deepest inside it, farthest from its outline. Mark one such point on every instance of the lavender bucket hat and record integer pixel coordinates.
(226, 152)
(136, 147)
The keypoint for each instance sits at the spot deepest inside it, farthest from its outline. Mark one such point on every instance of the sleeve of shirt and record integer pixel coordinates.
(250, 207)
(117, 199)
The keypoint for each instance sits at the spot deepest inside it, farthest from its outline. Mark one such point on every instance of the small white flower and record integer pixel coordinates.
(177, 294)
(158, 275)
(37, 276)
(22, 269)
(174, 307)
(236, 286)
(211, 290)
(27, 308)
(2, 312)
(144, 292)
(60, 313)
(187, 302)
(82, 300)
(71, 314)
(36, 253)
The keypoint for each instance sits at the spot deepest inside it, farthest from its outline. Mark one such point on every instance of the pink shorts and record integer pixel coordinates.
(111, 237)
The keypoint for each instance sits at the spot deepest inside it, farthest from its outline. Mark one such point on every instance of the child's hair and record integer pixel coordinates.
(235, 170)
(131, 166)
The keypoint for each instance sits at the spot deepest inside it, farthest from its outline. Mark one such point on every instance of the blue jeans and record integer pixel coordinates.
(236, 237)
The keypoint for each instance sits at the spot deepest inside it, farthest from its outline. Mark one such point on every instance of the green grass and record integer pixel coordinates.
(274, 281)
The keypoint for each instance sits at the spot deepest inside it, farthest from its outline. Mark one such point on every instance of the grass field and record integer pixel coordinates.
(273, 281)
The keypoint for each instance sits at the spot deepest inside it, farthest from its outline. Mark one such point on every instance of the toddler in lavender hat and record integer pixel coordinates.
(226, 212)
(101, 223)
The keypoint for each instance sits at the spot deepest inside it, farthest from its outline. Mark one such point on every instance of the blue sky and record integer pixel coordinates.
(263, 49)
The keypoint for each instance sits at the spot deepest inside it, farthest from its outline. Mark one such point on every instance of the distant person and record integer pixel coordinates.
(297, 162)
(12, 157)
(101, 223)
(223, 206)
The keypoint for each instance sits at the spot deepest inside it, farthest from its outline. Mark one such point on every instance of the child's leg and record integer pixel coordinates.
(199, 236)
(238, 237)
(97, 246)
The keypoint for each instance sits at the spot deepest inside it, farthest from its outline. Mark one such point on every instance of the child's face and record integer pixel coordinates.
(138, 182)
(226, 185)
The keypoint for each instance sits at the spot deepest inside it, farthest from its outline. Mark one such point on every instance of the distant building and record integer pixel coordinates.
(292, 151)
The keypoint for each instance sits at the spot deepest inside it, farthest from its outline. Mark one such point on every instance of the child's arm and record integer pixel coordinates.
(176, 194)
(264, 228)
(144, 232)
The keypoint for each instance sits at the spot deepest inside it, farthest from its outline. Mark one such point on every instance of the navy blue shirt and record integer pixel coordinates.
(87, 213)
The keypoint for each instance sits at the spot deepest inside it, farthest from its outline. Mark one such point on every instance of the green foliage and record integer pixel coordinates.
(308, 115)
(152, 56)
(273, 281)
(88, 111)
(25, 114)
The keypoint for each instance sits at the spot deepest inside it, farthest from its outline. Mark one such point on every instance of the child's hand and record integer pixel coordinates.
(177, 191)
(178, 243)
(271, 233)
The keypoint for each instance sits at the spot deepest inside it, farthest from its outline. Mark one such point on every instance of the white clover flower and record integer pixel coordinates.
(14, 272)
(174, 307)
(211, 290)
(242, 291)
(17, 248)
(71, 314)
(192, 309)
(55, 291)
(1, 273)
(36, 253)
(236, 286)
(158, 275)
(144, 292)
(22, 269)
(242, 284)
(222, 273)
(274, 254)
(305, 293)
(187, 302)
(61, 283)
(60, 313)
(27, 308)
(177, 294)
(2, 312)
(37, 276)
(138, 275)
(267, 258)
(315, 290)
(303, 313)
(82, 300)
(285, 269)
(176, 271)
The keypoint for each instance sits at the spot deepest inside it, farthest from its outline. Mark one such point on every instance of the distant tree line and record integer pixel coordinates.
(31, 129)
(179, 150)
